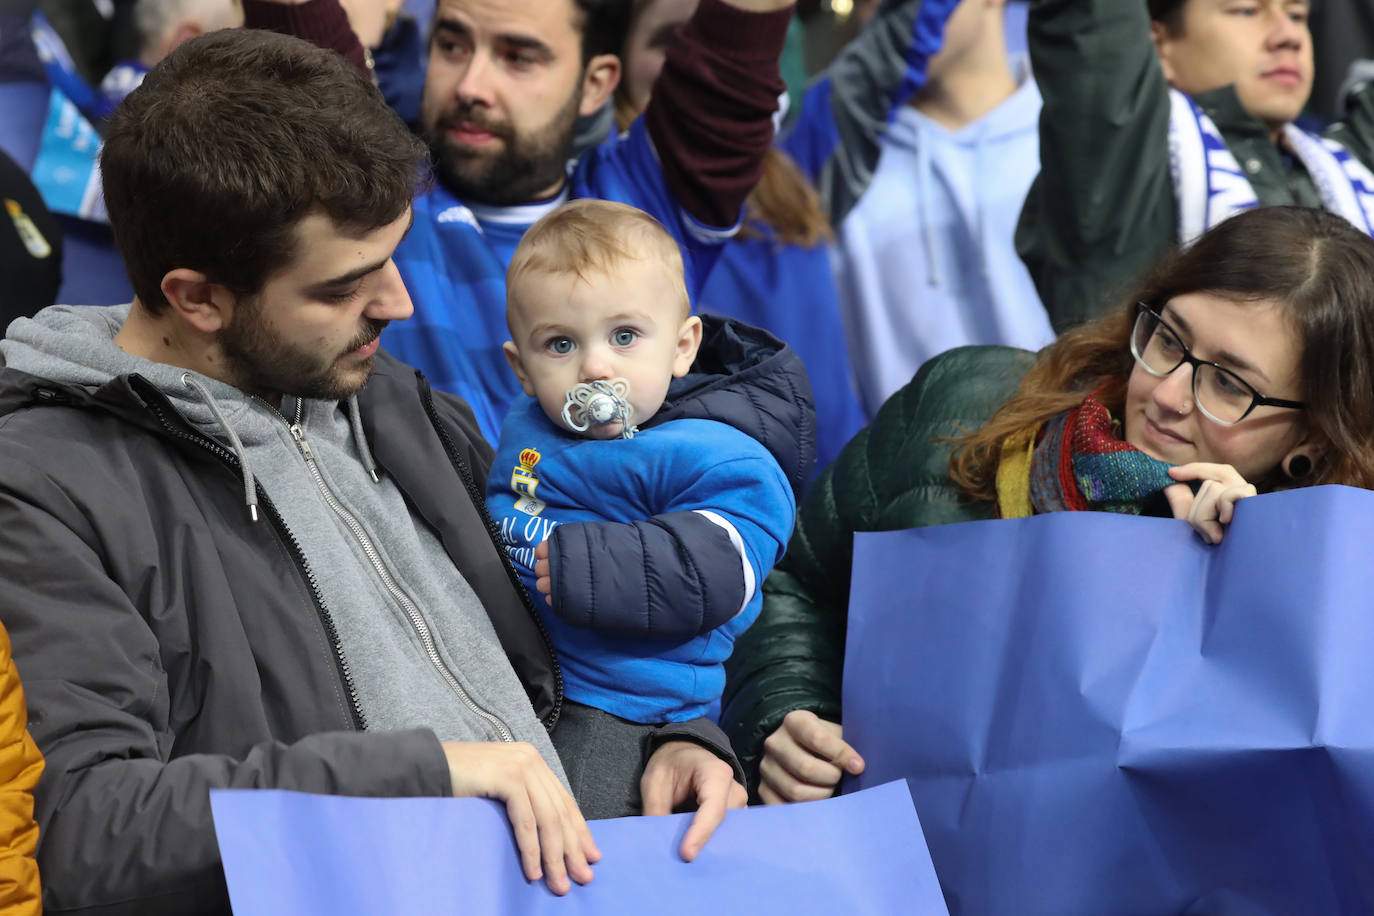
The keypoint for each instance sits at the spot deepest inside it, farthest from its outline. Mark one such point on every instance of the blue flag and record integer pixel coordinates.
(292, 853)
(1100, 714)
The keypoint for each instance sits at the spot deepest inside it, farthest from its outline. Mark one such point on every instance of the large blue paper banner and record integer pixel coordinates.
(292, 853)
(1100, 714)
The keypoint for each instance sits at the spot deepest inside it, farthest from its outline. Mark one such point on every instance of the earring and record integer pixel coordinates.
(1298, 466)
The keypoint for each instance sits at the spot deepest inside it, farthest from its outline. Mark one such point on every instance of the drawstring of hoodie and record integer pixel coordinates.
(355, 420)
(250, 484)
(924, 190)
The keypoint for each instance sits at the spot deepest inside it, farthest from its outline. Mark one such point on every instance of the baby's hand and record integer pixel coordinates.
(543, 581)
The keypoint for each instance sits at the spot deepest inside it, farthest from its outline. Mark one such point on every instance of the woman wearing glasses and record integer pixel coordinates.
(1242, 365)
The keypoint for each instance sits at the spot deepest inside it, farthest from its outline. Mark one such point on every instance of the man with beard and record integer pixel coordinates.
(506, 83)
(239, 547)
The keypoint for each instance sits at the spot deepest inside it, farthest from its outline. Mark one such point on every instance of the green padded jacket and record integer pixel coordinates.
(894, 474)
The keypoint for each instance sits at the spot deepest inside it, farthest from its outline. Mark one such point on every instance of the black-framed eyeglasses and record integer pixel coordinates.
(1222, 396)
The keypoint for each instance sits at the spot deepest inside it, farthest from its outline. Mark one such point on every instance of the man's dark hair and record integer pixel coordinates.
(604, 25)
(1168, 13)
(234, 138)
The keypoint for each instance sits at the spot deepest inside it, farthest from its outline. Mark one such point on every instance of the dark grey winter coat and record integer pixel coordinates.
(169, 645)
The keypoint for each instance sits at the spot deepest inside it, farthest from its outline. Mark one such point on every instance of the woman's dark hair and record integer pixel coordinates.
(1315, 265)
(234, 138)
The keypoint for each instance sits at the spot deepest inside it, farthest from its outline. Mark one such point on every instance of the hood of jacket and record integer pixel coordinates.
(747, 378)
(74, 347)
(71, 349)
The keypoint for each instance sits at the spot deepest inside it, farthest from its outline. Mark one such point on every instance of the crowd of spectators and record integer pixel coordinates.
(414, 397)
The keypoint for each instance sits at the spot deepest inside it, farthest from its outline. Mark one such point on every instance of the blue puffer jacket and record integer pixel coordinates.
(748, 378)
(647, 535)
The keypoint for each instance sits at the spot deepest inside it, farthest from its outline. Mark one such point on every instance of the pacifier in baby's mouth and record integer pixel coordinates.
(599, 402)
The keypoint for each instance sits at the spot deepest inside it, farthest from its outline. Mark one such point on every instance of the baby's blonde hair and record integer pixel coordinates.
(589, 237)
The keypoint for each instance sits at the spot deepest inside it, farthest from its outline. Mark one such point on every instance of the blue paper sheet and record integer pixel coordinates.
(292, 853)
(1100, 714)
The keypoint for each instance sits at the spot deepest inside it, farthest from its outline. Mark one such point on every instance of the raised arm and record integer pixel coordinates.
(837, 136)
(711, 115)
(1102, 208)
(320, 22)
(20, 767)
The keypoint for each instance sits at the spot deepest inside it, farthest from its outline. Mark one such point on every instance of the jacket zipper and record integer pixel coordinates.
(326, 619)
(393, 588)
(480, 501)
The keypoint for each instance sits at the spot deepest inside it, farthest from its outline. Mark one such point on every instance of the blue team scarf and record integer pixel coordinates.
(1210, 186)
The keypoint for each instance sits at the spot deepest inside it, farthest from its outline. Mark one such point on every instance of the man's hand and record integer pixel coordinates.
(804, 759)
(548, 826)
(543, 580)
(681, 770)
(1215, 501)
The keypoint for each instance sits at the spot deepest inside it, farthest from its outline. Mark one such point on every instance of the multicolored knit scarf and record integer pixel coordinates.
(1078, 462)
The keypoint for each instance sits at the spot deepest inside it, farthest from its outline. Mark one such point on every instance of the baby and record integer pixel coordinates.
(633, 487)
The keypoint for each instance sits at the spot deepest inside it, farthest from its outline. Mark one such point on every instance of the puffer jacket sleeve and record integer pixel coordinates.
(1102, 208)
(20, 767)
(669, 577)
(892, 475)
(837, 136)
(683, 572)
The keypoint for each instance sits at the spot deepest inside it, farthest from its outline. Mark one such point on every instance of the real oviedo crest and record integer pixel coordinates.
(525, 482)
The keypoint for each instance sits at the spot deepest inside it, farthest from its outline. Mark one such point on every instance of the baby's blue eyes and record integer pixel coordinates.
(620, 337)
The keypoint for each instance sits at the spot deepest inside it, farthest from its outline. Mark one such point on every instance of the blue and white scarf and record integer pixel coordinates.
(1211, 187)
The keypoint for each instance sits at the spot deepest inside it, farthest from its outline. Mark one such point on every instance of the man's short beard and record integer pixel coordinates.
(261, 363)
(524, 167)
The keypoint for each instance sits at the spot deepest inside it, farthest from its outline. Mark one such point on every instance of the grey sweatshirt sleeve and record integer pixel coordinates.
(125, 819)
